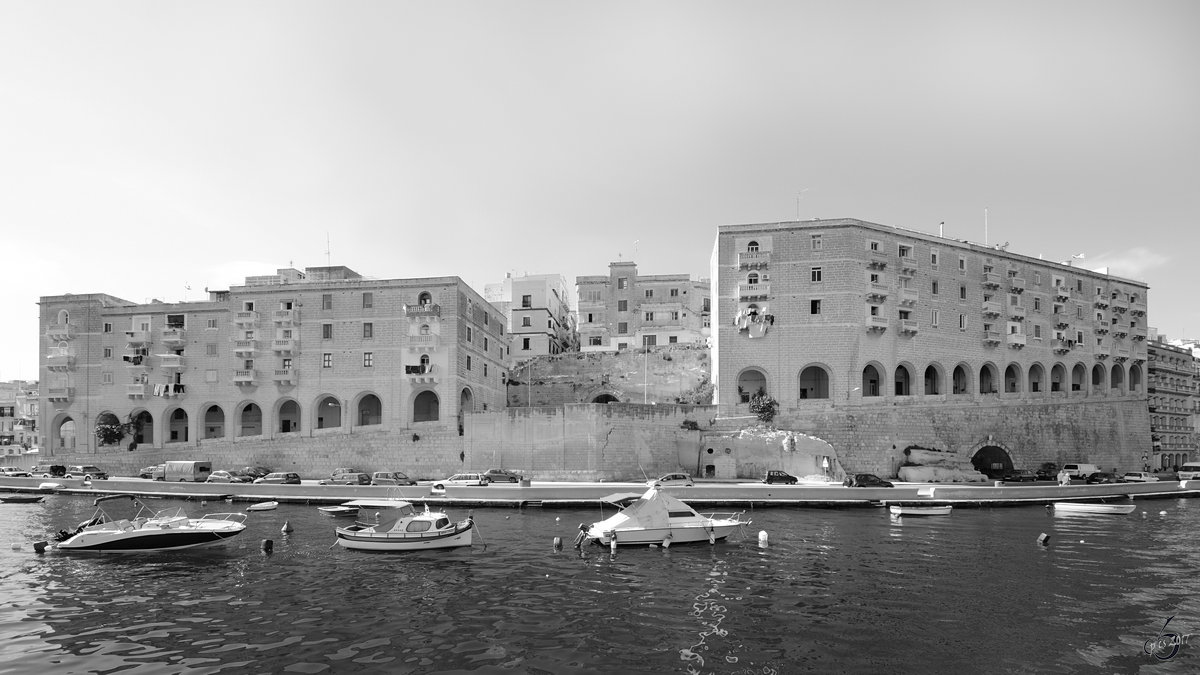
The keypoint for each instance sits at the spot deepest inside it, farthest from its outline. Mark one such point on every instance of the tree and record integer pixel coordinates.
(764, 406)
(109, 431)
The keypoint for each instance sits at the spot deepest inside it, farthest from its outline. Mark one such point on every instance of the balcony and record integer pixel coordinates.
(1062, 293)
(991, 308)
(1016, 312)
(136, 390)
(423, 343)
(908, 326)
(875, 322)
(1015, 340)
(286, 317)
(171, 361)
(420, 374)
(136, 359)
(1103, 351)
(877, 259)
(1061, 321)
(753, 259)
(244, 377)
(422, 311)
(286, 376)
(245, 347)
(1121, 353)
(754, 291)
(1060, 346)
(1101, 327)
(991, 337)
(174, 337)
(1137, 309)
(1139, 333)
(285, 345)
(909, 296)
(877, 292)
(1119, 331)
(60, 363)
(137, 338)
(908, 265)
(248, 318)
(1016, 284)
(991, 280)
(1100, 301)
(1119, 305)
(60, 394)
(60, 331)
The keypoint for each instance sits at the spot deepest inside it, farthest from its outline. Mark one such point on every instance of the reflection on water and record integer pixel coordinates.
(850, 590)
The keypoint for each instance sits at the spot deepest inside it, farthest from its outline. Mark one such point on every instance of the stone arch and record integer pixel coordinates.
(425, 406)
(250, 420)
(328, 412)
(872, 379)
(961, 380)
(213, 421)
(750, 382)
(1099, 378)
(902, 379)
(424, 298)
(176, 420)
(466, 404)
(1135, 378)
(108, 417)
(991, 458)
(288, 415)
(1037, 379)
(64, 434)
(143, 427)
(1118, 379)
(933, 379)
(606, 397)
(989, 380)
(368, 410)
(1078, 378)
(814, 381)
(1058, 377)
(1012, 378)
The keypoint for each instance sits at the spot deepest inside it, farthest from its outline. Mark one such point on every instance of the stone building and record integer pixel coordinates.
(537, 309)
(1171, 386)
(625, 309)
(881, 339)
(288, 355)
(18, 420)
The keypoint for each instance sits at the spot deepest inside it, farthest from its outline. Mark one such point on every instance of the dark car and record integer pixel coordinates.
(1103, 477)
(255, 472)
(281, 478)
(780, 477)
(49, 470)
(1019, 476)
(502, 476)
(865, 480)
(1047, 471)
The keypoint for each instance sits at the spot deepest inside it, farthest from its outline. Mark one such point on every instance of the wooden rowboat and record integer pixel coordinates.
(1083, 507)
(901, 510)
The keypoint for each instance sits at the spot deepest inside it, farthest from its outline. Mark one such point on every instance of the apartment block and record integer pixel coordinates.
(538, 312)
(289, 354)
(625, 309)
(1172, 401)
(18, 420)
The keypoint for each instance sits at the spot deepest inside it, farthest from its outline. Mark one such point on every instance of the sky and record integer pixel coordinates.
(152, 149)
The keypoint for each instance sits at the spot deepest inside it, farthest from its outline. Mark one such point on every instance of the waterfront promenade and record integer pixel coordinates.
(703, 493)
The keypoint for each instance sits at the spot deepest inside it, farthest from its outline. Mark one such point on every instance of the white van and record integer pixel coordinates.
(1080, 470)
(191, 472)
(1189, 471)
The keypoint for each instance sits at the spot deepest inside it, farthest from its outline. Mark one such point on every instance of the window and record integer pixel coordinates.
(327, 360)
(649, 340)
(816, 242)
(649, 292)
(368, 359)
(622, 283)
(469, 359)
(933, 318)
(814, 306)
(525, 321)
(326, 331)
(287, 363)
(368, 330)
(622, 328)
(487, 319)
(904, 251)
(485, 344)
(933, 259)
(485, 370)
(905, 314)
(933, 288)
(962, 321)
(962, 264)
(590, 318)
(368, 300)
(526, 301)
(1037, 332)
(674, 292)
(873, 245)
(107, 327)
(874, 277)
(524, 344)
(1037, 278)
(814, 275)
(106, 377)
(674, 316)
(649, 316)
(108, 352)
(594, 341)
(212, 324)
(962, 292)
(752, 247)
(622, 305)
(210, 350)
(327, 301)
(1037, 304)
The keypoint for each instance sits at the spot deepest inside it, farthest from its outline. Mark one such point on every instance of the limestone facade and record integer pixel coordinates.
(625, 309)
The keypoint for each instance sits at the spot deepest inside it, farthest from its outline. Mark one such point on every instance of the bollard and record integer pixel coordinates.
(762, 538)
(267, 546)
(1044, 539)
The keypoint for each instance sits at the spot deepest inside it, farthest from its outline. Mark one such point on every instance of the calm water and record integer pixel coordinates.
(836, 591)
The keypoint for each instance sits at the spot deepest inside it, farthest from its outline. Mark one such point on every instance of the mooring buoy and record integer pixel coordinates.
(1043, 539)
(267, 546)
(762, 538)
(558, 543)
(287, 527)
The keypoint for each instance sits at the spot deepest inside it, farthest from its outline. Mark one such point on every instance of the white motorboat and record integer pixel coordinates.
(658, 518)
(1088, 508)
(918, 510)
(263, 506)
(166, 530)
(395, 525)
(339, 511)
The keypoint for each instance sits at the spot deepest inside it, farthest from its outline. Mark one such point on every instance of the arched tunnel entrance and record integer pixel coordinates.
(992, 460)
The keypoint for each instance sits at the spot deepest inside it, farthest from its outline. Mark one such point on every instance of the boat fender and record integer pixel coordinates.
(762, 538)
(39, 547)
(16, 546)
(558, 543)
(712, 537)
(612, 543)
(1043, 539)
(287, 527)
(267, 546)
(666, 542)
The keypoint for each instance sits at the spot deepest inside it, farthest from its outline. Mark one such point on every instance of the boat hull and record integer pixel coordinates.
(1071, 508)
(676, 534)
(147, 541)
(338, 511)
(897, 510)
(363, 539)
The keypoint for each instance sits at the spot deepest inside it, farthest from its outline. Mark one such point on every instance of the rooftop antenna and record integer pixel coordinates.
(942, 229)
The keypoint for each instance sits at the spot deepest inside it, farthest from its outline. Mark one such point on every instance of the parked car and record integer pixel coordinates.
(461, 479)
(255, 472)
(283, 478)
(156, 472)
(1138, 477)
(865, 480)
(780, 477)
(1102, 477)
(340, 470)
(1019, 476)
(49, 471)
(14, 472)
(502, 476)
(227, 477)
(672, 479)
(86, 472)
(391, 478)
(348, 478)
(1047, 471)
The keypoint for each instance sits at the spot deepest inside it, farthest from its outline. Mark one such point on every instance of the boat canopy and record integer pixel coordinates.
(379, 504)
(652, 510)
(110, 497)
(619, 498)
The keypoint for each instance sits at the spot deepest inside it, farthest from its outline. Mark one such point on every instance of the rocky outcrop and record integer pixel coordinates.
(927, 465)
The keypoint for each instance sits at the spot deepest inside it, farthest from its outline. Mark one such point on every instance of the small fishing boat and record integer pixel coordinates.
(263, 506)
(339, 511)
(658, 518)
(1087, 508)
(10, 498)
(917, 510)
(395, 525)
(166, 530)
